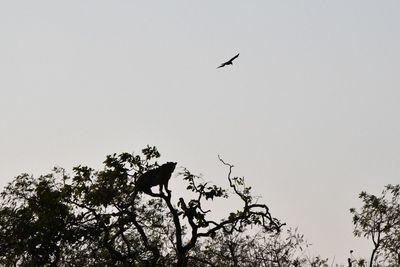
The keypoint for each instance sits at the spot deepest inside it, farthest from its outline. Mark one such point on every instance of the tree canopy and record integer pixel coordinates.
(379, 220)
(99, 217)
(116, 216)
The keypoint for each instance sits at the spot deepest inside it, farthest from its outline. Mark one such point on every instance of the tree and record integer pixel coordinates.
(100, 218)
(281, 249)
(379, 220)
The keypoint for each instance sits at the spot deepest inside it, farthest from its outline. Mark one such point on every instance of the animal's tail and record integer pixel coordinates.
(134, 195)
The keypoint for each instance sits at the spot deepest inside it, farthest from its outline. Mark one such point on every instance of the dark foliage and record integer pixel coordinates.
(379, 220)
(100, 218)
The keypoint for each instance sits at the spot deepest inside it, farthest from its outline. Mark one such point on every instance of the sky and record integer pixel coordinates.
(308, 113)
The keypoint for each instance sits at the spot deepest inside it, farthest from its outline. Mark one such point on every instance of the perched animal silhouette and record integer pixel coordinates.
(158, 176)
(229, 62)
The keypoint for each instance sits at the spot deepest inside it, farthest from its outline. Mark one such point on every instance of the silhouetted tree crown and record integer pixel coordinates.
(379, 220)
(116, 216)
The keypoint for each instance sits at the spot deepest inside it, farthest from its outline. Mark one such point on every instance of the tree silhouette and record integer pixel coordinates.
(379, 220)
(99, 218)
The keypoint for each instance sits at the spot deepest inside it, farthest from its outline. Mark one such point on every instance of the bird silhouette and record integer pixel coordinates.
(229, 62)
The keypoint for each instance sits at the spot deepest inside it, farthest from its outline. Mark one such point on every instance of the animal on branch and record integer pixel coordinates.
(159, 176)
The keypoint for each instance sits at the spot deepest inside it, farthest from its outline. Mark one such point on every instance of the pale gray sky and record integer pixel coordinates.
(309, 112)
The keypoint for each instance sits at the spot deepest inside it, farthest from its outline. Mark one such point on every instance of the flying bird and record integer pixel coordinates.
(229, 62)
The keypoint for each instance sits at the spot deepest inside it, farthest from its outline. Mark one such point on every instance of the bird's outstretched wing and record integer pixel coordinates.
(222, 65)
(229, 62)
(233, 58)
